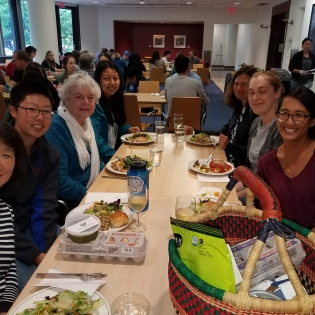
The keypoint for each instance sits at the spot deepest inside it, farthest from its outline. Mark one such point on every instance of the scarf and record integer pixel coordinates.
(78, 135)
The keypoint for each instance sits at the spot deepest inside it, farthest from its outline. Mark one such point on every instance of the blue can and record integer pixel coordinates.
(138, 180)
(7, 88)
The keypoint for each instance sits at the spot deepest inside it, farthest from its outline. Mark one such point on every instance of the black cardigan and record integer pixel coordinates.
(296, 63)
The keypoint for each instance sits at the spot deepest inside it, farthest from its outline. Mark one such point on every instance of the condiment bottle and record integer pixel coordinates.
(139, 169)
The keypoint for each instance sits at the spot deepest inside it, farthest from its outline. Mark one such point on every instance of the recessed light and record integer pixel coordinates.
(95, 2)
(189, 3)
(237, 3)
(141, 2)
(162, 22)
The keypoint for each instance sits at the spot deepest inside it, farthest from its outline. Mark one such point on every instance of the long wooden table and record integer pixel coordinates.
(149, 98)
(170, 179)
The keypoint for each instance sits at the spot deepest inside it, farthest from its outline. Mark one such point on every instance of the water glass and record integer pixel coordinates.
(156, 154)
(180, 133)
(185, 207)
(131, 304)
(178, 119)
(159, 131)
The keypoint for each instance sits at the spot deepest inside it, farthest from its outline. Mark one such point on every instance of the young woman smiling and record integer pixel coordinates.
(69, 66)
(290, 169)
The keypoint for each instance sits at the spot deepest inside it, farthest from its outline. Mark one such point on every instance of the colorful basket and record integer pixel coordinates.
(191, 295)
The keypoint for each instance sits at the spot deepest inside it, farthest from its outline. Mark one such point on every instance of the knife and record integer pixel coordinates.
(82, 276)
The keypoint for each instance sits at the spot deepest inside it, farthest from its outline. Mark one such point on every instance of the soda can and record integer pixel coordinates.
(7, 88)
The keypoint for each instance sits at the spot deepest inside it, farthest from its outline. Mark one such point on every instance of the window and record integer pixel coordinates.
(7, 38)
(26, 24)
(66, 30)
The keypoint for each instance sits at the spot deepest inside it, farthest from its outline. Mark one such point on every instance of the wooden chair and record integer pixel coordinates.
(157, 74)
(204, 75)
(132, 112)
(190, 107)
(3, 107)
(197, 65)
(6, 79)
(149, 87)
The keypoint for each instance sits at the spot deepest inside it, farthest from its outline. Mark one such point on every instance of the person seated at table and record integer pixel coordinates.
(50, 64)
(191, 74)
(105, 57)
(119, 63)
(13, 169)
(135, 68)
(34, 207)
(125, 56)
(167, 56)
(156, 62)
(97, 56)
(69, 66)
(183, 86)
(290, 169)
(86, 64)
(194, 57)
(31, 50)
(109, 115)
(21, 60)
(234, 135)
(11, 66)
(72, 133)
(265, 88)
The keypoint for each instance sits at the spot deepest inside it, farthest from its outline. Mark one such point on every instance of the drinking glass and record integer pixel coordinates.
(185, 207)
(159, 131)
(180, 133)
(156, 154)
(178, 119)
(131, 304)
(137, 200)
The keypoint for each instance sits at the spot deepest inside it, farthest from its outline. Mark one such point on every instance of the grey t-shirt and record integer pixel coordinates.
(306, 65)
(256, 144)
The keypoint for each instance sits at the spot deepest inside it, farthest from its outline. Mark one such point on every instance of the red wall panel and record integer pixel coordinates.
(142, 37)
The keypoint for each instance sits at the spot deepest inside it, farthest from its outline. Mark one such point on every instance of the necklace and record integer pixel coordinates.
(292, 164)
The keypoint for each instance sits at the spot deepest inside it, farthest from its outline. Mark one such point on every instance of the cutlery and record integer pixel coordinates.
(208, 160)
(86, 277)
(115, 177)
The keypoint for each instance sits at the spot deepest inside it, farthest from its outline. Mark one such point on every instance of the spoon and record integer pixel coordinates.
(208, 160)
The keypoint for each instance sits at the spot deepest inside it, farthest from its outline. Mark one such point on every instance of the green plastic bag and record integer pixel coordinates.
(203, 250)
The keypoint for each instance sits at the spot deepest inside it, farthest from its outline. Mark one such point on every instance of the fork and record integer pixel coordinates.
(208, 160)
(86, 277)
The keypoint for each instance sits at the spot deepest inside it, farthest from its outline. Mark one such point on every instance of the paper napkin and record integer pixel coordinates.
(108, 197)
(213, 179)
(70, 284)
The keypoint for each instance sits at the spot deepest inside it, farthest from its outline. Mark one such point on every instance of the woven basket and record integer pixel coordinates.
(191, 295)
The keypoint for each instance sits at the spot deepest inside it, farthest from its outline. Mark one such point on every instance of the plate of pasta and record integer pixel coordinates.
(203, 139)
(138, 138)
(215, 167)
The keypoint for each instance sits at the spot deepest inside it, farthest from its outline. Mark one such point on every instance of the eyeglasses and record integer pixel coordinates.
(34, 112)
(296, 118)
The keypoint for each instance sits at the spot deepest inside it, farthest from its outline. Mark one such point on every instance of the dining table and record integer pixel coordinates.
(171, 178)
(6, 95)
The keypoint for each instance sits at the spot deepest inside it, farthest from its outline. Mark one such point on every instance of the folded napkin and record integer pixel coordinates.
(213, 179)
(108, 197)
(70, 284)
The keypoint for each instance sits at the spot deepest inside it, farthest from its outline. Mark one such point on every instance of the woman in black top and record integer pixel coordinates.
(300, 63)
(135, 67)
(234, 135)
(50, 63)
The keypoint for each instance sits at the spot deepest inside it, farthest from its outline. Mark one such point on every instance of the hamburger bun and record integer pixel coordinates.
(118, 219)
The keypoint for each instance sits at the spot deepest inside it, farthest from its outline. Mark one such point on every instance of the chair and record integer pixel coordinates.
(3, 107)
(149, 87)
(6, 79)
(190, 107)
(62, 211)
(204, 75)
(157, 74)
(197, 65)
(132, 112)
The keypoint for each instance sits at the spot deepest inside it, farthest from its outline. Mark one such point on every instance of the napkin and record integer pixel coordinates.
(108, 197)
(70, 284)
(213, 179)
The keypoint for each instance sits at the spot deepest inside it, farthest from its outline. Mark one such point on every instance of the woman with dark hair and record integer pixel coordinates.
(302, 62)
(234, 135)
(50, 64)
(135, 67)
(31, 50)
(156, 62)
(105, 56)
(69, 66)
(290, 169)
(109, 114)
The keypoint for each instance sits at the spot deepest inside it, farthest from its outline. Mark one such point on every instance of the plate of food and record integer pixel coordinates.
(215, 167)
(114, 216)
(209, 192)
(121, 165)
(138, 138)
(203, 139)
(51, 299)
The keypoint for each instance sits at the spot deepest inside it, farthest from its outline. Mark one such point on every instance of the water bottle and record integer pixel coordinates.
(138, 179)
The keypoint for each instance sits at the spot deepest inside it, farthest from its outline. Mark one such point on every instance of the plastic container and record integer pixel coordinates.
(138, 169)
(82, 236)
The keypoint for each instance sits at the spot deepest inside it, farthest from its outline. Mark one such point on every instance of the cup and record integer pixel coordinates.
(130, 304)
(180, 133)
(7, 88)
(185, 207)
(156, 154)
(159, 131)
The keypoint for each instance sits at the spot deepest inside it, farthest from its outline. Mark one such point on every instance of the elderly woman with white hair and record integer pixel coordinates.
(72, 132)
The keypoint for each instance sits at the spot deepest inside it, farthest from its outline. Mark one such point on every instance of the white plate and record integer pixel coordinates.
(109, 167)
(211, 173)
(124, 138)
(104, 309)
(208, 192)
(80, 209)
(215, 141)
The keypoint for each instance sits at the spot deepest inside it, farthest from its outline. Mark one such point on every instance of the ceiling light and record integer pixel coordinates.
(189, 3)
(141, 2)
(237, 3)
(162, 22)
(95, 2)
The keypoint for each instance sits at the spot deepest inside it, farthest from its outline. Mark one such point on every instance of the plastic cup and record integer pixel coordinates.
(130, 304)
(156, 154)
(159, 131)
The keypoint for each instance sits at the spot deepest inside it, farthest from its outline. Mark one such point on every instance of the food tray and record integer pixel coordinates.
(101, 247)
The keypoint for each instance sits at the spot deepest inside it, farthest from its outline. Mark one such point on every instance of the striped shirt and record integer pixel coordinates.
(8, 277)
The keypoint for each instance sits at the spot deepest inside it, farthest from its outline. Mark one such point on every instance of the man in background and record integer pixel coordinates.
(21, 59)
(86, 64)
(192, 74)
(167, 56)
(11, 66)
(125, 57)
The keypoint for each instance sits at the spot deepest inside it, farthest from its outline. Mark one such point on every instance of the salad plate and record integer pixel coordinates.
(103, 309)
(82, 208)
(203, 140)
(111, 164)
(138, 138)
(195, 166)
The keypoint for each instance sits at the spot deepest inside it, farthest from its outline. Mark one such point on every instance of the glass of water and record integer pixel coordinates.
(156, 154)
(159, 131)
(180, 133)
(178, 119)
(131, 304)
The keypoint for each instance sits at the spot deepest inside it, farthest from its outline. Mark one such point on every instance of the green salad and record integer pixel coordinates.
(64, 303)
(139, 137)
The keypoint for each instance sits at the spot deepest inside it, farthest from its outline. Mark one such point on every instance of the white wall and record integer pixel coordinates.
(89, 28)
(307, 18)
(230, 44)
(219, 37)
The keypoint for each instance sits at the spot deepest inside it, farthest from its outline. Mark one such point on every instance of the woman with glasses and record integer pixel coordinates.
(72, 133)
(49, 63)
(290, 169)
(69, 66)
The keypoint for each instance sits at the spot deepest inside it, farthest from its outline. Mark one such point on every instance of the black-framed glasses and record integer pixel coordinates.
(296, 118)
(34, 112)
